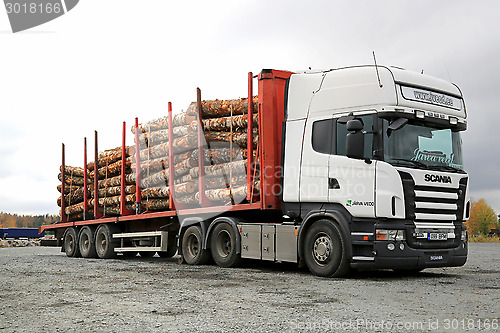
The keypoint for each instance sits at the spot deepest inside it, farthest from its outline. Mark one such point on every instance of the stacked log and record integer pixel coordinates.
(108, 177)
(224, 124)
(153, 148)
(73, 187)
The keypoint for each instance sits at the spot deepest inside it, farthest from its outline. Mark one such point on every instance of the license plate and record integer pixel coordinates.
(437, 236)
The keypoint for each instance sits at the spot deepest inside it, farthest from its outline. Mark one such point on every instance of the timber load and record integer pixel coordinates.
(108, 178)
(224, 127)
(224, 124)
(73, 185)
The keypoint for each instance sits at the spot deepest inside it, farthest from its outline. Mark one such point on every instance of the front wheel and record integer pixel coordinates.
(325, 250)
(192, 247)
(223, 246)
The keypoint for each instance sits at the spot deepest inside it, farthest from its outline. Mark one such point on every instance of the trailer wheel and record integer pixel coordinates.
(86, 243)
(325, 250)
(192, 247)
(223, 246)
(105, 248)
(71, 243)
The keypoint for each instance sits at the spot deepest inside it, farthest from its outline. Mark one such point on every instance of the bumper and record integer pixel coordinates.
(411, 258)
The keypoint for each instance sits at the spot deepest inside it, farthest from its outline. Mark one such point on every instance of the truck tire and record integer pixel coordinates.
(325, 250)
(86, 242)
(147, 254)
(192, 247)
(223, 246)
(105, 248)
(71, 243)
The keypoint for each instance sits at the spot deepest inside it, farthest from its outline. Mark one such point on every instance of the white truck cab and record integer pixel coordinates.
(379, 149)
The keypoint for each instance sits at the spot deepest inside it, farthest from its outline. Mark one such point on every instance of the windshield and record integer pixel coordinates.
(423, 147)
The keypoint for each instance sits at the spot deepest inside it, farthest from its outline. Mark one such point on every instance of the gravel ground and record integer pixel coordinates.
(42, 290)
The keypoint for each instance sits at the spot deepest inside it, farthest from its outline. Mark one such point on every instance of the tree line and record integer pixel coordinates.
(8, 220)
(482, 218)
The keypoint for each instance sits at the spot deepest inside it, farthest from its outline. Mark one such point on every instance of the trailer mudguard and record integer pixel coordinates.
(189, 221)
(233, 221)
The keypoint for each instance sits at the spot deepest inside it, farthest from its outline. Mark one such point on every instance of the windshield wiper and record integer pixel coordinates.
(446, 167)
(417, 163)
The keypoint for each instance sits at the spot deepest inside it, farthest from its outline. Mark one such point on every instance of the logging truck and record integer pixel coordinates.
(351, 168)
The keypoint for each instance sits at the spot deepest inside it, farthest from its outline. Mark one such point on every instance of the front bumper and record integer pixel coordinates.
(410, 258)
(409, 253)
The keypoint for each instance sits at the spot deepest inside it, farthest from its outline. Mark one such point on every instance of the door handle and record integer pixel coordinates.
(333, 184)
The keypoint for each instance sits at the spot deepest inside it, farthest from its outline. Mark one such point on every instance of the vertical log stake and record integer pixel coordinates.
(64, 217)
(97, 213)
(170, 158)
(138, 194)
(123, 205)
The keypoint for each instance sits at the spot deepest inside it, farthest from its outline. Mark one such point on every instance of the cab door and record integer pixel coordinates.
(316, 152)
(351, 182)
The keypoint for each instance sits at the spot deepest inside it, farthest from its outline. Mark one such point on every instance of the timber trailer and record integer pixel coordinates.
(359, 167)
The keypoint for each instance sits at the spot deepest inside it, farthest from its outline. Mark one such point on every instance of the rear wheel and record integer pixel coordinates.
(105, 246)
(71, 243)
(86, 243)
(223, 246)
(325, 250)
(192, 249)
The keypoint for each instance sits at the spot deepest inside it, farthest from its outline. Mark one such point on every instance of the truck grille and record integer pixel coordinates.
(435, 203)
(432, 203)
(433, 208)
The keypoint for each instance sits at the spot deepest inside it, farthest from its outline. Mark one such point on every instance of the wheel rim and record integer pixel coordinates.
(101, 242)
(70, 243)
(322, 249)
(223, 244)
(85, 242)
(193, 246)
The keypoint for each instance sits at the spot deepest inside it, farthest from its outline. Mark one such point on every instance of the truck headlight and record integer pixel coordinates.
(464, 235)
(390, 235)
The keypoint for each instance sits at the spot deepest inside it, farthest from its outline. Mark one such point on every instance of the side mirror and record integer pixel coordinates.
(355, 142)
(354, 125)
(396, 125)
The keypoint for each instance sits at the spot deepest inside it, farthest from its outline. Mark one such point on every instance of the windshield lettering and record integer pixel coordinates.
(426, 156)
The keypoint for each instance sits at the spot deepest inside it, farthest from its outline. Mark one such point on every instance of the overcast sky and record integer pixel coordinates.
(105, 62)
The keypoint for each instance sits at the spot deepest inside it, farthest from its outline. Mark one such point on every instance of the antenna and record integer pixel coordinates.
(447, 72)
(376, 68)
